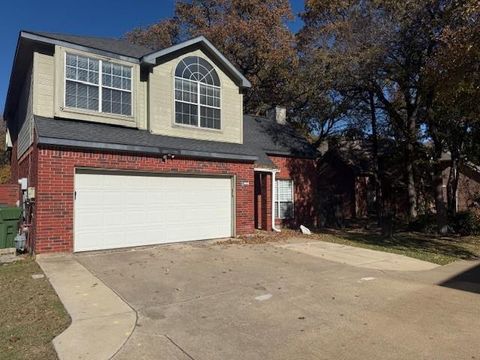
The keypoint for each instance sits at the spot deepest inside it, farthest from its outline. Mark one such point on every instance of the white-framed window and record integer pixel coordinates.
(284, 199)
(97, 85)
(197, 94)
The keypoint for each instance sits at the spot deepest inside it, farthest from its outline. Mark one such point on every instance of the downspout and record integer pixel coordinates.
(274, 228)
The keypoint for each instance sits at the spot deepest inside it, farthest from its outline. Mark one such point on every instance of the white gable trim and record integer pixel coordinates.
(151, 59)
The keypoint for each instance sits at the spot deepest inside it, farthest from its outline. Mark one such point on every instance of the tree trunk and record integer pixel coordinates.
(377, 173)
(411, 190)
(440, 205)
(409, 157)
(452, 186)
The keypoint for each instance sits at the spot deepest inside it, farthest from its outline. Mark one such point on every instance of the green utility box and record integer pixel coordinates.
(9, 217)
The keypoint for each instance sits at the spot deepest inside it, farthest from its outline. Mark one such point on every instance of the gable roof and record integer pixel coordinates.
(115, 46)
(201, 41)
(259, 140)
(267, 137)
(95, 136)
(29, 41)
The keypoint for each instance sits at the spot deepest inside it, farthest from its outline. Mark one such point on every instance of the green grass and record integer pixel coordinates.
(435, 249)
(428, 247)
(31, 314)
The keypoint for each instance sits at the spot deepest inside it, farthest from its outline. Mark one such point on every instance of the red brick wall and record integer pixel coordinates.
(303, 172)
(468, 188)
(56, 170)
(9, 194)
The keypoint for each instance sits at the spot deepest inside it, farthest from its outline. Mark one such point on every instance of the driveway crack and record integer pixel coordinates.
(179, 347)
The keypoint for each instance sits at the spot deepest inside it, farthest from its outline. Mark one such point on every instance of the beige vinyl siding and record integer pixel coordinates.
(56, 70)
(141, 114)
(162, 105)
(24, 116)
(43, 84)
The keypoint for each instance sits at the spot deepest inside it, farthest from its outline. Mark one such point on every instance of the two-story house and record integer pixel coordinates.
(116, 145)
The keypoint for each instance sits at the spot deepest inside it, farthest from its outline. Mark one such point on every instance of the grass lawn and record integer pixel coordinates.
(31, 314)
(436, 249)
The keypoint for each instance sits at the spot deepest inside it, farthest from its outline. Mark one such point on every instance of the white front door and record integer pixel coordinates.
(114, 210)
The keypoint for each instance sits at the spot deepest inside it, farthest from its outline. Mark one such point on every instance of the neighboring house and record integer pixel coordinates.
(346, 184)
(125, 146)
(468, 190)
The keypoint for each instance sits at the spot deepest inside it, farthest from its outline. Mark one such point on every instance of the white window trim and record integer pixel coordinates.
(197, 82)
(277, 202)
(100, 86)
(198, 104)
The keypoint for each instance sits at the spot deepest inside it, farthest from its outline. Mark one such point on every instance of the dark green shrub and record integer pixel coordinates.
(467, 223)
(426, 223)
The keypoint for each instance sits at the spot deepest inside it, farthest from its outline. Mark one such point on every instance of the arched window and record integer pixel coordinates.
(197, 94)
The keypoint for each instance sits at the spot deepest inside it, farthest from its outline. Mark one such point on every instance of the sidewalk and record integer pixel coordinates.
(366, 258)
(101, 321)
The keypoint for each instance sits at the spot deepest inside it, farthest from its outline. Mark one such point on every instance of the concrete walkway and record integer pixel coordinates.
(101, 321)
(359, 257)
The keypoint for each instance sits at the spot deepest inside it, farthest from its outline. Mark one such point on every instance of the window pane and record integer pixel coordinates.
(71, 60)
(126, 98)
(81, 96)
(284, 190)
(117, 69)
(81, 68)
(116, 107)
(216, 80)
(107, 94)
(193, 75)
(117, 76)
(71, 88)
(284, 199)
(126, 109)
(71, 73)
(209, 117)
(116, 101)
(93, 65)
(93, 77)
(82, 62)
(82, 75)
(186, 113)
(286, 210)
(198, 69)
(126, 83)
(126, 72)
(117, 82)
(106, 106)
(107, 80)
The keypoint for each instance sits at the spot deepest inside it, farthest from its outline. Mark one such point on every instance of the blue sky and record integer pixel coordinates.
(88, 17)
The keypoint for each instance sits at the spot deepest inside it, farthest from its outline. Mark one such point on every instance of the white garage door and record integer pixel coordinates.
(114, 210)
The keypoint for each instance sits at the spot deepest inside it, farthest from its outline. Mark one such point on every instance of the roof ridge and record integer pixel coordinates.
(56, 35)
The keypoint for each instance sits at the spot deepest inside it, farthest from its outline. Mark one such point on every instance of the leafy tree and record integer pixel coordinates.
(452, 91)
(157, 36)
(369, 47)
(252, 34)
(4, 158)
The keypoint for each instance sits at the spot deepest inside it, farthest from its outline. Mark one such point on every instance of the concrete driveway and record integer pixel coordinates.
(214, 301)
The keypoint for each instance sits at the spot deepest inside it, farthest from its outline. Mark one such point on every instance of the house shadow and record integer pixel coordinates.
(468, 280)
(409, 242)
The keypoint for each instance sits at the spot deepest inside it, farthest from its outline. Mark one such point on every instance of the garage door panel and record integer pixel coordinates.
(119, 210)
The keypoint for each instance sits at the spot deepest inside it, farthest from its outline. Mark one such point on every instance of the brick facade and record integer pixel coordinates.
(303, 172)
(52, 172)
(9, 194)
(55, 190)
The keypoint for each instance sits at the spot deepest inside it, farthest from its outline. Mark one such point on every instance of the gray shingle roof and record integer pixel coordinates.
(261, 137)
(267, 137)
(117, 46)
